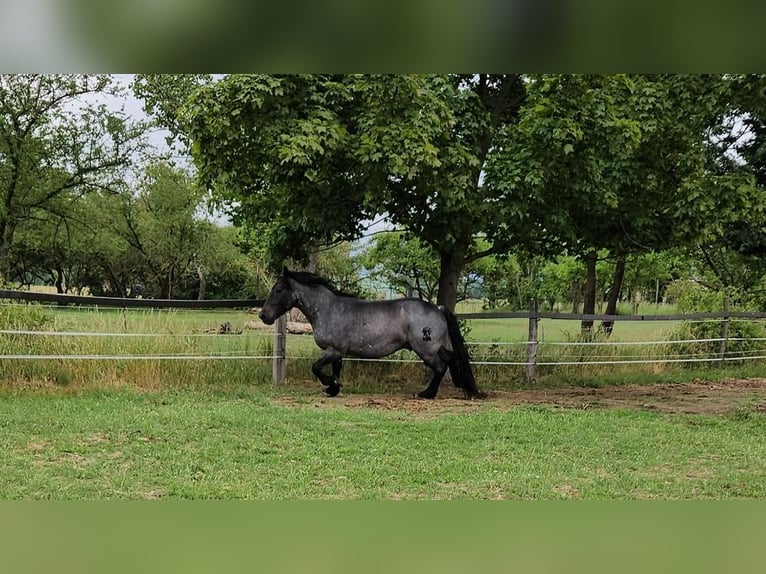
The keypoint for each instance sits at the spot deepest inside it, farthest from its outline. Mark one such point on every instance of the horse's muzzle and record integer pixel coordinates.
(266, 318)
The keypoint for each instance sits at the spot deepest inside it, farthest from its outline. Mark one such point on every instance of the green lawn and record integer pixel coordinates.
(555, 330)
(243, 445)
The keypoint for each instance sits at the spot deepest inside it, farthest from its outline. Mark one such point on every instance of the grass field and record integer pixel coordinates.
(245, 445)
(199, 429)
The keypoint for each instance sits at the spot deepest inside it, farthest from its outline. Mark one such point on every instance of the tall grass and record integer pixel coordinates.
(176, 333)
(134, 333)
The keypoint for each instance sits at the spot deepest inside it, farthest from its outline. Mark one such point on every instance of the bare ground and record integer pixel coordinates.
(699, 397)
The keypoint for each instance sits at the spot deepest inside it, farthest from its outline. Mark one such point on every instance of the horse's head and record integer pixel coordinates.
(281, 299)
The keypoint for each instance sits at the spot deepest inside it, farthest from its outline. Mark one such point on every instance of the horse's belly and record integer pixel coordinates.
(374, 347)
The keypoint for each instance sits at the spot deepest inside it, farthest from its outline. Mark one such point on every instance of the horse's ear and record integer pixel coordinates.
(285, 272)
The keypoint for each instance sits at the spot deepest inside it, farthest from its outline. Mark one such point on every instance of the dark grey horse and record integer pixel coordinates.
(345, 325)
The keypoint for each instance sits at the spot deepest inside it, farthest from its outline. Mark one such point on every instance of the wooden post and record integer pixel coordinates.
(532, 340)
(724, 328)
(280, 340)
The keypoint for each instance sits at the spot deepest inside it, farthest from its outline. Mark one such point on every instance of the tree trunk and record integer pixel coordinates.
(313, 261)
(202, 284)
(589, 297)
(164, 283)
(7, 230)
(614, 294)
(451, 267)
(59, 281)
(576, 291)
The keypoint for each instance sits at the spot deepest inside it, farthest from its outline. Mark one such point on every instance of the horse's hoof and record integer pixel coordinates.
(332, 390)
(426, 395)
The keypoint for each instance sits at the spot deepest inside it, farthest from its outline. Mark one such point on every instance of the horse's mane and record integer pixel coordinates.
(314, 280)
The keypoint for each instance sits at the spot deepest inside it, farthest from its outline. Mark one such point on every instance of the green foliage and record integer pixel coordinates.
(306, 158)
(164, 95)
(276, 150)
(24, 317)
(410, 267)
(613, 161)
(56, 146)
(511, 282)
(568, 162)
(690, 297)
(220, 269)
(160, 225)
(150, 234)
(343, 268)
(647, 275)
(403, 263)
(740, 340)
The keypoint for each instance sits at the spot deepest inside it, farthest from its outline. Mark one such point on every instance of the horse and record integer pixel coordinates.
(345, 325)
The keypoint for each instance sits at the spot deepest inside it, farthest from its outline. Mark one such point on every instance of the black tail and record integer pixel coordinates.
(460, 365)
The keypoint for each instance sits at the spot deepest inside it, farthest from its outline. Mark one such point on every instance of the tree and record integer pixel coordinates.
(56, 145)
(160, 224)
(615, 163)
(403, 263)
(164, 95)
(65, 246)
(220, 270)
(309, 158)
(429, 139)
(277, 152)
(738, 148)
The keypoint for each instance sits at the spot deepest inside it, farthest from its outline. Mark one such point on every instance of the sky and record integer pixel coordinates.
(134, 108)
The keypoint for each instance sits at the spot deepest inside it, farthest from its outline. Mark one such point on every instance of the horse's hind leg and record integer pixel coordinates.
(439, 368)
(329, 381)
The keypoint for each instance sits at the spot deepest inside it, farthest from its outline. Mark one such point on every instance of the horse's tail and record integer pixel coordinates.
(460, 362)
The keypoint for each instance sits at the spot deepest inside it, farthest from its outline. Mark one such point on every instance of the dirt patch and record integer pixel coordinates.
(699, 397)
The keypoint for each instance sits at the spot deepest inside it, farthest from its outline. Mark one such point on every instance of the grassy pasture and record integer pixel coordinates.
(246, 445)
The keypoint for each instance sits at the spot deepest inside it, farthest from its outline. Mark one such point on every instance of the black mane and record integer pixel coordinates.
(314, 280)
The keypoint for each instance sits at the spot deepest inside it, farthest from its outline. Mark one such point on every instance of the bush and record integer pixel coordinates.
(689, 296)
(740, 342)
(24, 317)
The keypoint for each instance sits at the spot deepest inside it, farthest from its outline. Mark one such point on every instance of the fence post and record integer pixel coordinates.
(532, 340)
(724, 328)
(280, 339)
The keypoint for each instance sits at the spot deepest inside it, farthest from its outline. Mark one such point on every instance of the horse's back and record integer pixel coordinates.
(406, 311)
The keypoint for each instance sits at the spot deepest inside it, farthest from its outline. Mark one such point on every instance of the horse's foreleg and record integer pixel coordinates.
(337, 365)
(329, 381)
(334, 388)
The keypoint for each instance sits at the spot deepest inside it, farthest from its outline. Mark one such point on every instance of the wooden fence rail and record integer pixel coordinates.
(63, 300)
(589, 317)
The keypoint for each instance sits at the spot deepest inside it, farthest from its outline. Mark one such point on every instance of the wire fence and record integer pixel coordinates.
(530, 354)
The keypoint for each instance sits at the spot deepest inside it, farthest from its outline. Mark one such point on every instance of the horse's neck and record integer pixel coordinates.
(314, 302)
